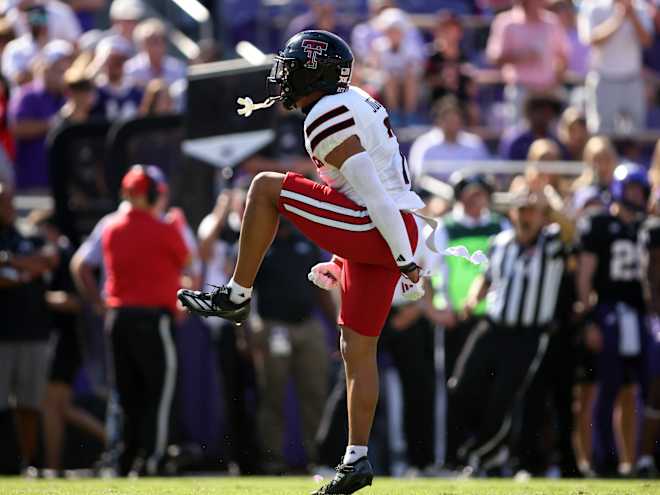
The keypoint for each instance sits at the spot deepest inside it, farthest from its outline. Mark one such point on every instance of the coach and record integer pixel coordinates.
(504, 353)
(144, 258)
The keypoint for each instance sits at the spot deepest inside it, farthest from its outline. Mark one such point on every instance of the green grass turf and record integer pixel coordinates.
(292, 486)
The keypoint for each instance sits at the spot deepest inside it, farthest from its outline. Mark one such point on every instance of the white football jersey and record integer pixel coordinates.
(333, 119)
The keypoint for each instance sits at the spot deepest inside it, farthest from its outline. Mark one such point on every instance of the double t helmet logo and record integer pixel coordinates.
(313, 48)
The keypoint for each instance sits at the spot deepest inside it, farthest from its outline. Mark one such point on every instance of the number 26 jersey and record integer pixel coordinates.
(618, 274)
(335, 118)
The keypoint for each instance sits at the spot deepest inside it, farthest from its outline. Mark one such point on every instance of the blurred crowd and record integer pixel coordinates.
(535, 81)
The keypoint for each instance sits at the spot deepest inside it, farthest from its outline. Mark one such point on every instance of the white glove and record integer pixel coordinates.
(413, 291)
(325, 275)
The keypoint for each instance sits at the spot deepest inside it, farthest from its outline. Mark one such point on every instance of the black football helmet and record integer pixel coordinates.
(310, 61)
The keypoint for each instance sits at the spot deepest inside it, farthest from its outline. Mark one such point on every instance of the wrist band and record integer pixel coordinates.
(410, 267)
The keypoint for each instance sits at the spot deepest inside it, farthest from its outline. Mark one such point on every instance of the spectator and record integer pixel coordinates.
(31, 110)
(530, 46)
(117, 96)
(578, 59)
(125, 15)
(397, 56)
(19, 54)
(139, 248)
(572, 133)
(218, 238)
(541, 150)
(472, 224)
(86, 11)
(24, 333)
(290, 344)
(80, 97)
(541, 112)
(617, 31)
(543, 181)
(600, 159)
(157, 99)
(654, 170)
(62, 21)
(152, 61)
(64, 305)
(322, 14)
(6, 33)
(652, 52)
(447, 142)
(448, 70)
(494, 5)
(364, 34)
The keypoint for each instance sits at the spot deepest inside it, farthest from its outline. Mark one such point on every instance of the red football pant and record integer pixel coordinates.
(342, 227)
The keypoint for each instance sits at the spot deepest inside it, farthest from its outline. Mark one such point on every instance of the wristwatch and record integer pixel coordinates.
(5, 257)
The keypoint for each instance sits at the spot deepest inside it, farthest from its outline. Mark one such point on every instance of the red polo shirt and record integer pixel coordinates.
(143, 257)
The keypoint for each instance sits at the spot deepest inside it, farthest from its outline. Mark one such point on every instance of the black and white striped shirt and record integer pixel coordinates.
(525, 281)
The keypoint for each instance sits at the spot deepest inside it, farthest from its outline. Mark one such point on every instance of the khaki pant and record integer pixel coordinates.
(298, 352)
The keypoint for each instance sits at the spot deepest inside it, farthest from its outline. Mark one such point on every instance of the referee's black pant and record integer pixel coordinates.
(491, 374)
(145, 370)
(454, 341)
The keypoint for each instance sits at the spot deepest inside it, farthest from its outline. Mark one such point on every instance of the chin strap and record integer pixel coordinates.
(249, 106)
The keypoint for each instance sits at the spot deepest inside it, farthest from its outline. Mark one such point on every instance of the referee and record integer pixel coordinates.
(144, 258)
(503, 354)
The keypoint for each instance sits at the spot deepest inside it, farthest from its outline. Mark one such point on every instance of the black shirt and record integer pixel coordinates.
(283, 291)
(62, 281)
(23, 307)
(452, 81)
(618, 276)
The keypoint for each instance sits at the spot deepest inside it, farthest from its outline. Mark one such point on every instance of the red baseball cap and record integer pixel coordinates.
(139, 177)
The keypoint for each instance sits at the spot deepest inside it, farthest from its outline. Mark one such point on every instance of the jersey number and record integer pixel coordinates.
(624, 265)
(404, 163)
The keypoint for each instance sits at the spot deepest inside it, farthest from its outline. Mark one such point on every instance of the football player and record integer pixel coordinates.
(362, 214)
(650, 243)
(609, 269)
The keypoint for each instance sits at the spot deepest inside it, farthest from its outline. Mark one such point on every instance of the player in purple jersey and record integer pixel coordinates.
(650, 243)
(609, 272)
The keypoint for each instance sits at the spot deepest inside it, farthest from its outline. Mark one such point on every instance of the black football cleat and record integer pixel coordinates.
(214, 303)
(349, 478)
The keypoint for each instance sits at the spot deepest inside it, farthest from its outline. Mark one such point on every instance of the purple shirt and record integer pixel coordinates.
(516, 142)
(32, 101)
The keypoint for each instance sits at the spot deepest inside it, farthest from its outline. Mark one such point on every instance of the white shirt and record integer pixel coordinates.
(335, 118)
(18, 56)
(139, 70)
(409, 54)
(62, 21)
(432, 146)
(621, 54)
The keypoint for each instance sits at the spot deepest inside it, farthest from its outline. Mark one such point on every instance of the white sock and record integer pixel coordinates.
(645, 461)
(354, 452)
(238, 294)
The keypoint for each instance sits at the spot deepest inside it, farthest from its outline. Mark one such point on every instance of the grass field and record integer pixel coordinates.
(293, 486)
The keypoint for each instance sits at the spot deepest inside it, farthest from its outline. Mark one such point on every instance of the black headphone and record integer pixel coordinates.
(152, 189)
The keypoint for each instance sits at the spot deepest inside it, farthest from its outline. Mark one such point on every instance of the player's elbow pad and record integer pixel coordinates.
(360, 172)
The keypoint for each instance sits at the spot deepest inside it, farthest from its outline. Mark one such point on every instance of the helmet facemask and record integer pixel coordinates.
(280, 84)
